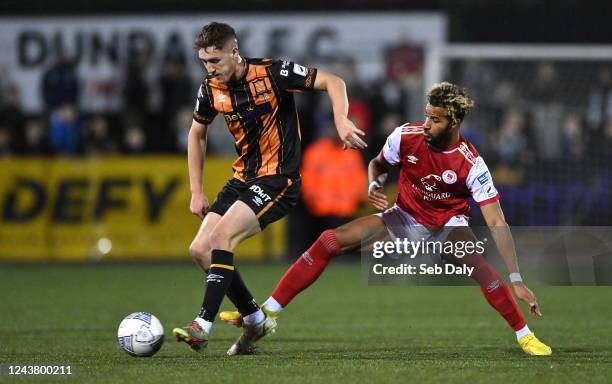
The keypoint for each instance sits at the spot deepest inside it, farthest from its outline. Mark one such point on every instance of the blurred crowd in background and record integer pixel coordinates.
(544, 128)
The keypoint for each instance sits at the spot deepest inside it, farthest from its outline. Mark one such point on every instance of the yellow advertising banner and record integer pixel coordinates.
(110, 208)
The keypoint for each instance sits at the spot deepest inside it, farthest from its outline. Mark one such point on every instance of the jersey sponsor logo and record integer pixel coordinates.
(258, 201)
(431, 196)
(260, 193)
(449, 176)
(284, 71)
(300, 70)
(430, 182)
(412, 159)
(483, 178)
(248, 113)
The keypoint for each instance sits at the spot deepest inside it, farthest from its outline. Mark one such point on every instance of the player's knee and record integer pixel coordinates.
(330, 241)
(342, 236)
(220, 239)
(200, 253)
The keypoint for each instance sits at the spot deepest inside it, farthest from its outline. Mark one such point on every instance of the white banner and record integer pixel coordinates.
(102, 44)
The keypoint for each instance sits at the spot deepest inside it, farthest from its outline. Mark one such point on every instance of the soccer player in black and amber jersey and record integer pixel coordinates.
(255, 96)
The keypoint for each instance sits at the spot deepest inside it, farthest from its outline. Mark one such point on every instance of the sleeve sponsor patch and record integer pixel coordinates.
(300, 70)
(483, 178)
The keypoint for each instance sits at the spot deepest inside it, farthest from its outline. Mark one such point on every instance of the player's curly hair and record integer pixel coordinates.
(451, 97)
(214, 35)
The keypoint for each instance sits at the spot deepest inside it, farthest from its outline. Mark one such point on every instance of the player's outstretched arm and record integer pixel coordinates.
(378, 169)
(502, 236)
(351, 136)
(196, 152)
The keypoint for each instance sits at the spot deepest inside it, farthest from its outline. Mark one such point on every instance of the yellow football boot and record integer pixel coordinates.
(235, 318)
(532, 346)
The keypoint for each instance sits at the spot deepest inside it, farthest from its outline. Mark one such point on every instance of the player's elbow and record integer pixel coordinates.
(378, 164)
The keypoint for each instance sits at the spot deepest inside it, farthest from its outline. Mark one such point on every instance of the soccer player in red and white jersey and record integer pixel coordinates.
(439, 171)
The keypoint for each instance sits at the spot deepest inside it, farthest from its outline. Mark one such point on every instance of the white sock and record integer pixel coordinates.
(254, 318)
(522, 332)
(272, 305)
(205, 324)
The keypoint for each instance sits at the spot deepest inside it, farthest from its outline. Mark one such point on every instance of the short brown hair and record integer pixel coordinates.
(451, 97)
(214, 35)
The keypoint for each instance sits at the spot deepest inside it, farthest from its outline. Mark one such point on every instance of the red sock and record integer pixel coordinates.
(496, 292)
(307, 268)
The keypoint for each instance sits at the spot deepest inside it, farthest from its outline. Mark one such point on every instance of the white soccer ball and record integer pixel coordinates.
(140, 334)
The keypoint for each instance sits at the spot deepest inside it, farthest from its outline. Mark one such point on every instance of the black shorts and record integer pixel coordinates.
(270, 197)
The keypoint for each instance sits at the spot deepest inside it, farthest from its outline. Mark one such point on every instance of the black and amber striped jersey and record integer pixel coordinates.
(260, 112)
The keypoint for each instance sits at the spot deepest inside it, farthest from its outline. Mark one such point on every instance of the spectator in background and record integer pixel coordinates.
(182, 122)
(547, 112)
(12, 119)
(36, 137)
(512, 142)
(136, 90)
(177, 92)
(359, 112)
(334, 183)
(405, 78)
(134, 140)
(96, 138)
(599, 109)
(573, 139)
(64, 132)
(6, 148)
(60, 83)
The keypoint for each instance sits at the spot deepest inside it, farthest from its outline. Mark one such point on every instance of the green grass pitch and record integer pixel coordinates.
(338, 330)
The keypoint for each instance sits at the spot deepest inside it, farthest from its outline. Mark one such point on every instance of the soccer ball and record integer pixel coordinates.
(140, 334)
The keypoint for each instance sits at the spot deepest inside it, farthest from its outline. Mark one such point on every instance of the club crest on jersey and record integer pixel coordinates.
(449, 176)
(430, 182)
(221, 97)
(412, 159)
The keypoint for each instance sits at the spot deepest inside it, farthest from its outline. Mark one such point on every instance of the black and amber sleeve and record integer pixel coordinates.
(204, 113)
(291, 76)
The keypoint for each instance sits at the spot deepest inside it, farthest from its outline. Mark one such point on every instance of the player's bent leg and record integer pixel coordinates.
(199, 250)
(499, 296)
(238, 223)
(359, 231)
(311, 264)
